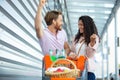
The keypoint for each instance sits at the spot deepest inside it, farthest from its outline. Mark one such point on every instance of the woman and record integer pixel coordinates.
(85, 43)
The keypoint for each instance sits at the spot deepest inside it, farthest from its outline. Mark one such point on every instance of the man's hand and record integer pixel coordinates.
(42, 3)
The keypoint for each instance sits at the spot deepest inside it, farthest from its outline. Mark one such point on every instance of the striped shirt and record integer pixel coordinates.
(51, 41)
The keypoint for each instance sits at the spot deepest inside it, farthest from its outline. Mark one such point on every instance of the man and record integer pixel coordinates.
(53, 37)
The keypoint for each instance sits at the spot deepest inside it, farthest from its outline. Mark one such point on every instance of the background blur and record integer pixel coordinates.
(20, 53)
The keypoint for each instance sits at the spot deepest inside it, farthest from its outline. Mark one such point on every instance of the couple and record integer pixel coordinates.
(54, 37)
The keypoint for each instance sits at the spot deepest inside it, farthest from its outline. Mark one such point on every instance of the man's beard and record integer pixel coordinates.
(59, 28)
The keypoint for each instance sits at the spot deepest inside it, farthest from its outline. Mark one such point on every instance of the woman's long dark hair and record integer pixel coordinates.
(89, 29)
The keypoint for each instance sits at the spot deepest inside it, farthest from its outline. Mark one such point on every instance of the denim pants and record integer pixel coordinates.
(91, 76)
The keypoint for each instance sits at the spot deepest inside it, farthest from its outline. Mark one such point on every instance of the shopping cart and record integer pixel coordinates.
(82, 77)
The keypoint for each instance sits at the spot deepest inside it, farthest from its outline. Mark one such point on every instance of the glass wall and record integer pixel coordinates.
(108, 42)
(118, 34)
(111, 45)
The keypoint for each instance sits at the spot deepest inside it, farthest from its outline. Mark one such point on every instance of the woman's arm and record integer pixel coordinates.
(92, 46)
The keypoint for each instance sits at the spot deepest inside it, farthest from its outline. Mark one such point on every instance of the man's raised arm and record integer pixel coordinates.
(38, 19)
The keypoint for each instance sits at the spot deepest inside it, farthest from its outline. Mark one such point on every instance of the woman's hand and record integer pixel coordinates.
(73, 56)
(93, 39)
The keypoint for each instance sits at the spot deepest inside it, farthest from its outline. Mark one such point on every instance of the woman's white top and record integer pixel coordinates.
(88, 51)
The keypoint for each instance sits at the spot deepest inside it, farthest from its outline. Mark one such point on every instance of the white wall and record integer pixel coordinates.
(20, 52)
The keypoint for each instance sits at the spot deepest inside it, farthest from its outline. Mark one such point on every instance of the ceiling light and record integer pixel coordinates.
(107, 12)
(108, 5)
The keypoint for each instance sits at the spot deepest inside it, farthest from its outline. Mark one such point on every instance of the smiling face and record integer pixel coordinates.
(81, 26)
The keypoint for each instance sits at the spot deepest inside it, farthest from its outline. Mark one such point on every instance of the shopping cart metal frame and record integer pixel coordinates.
(83, 74)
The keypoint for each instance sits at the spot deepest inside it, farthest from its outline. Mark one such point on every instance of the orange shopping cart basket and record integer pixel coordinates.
(82, 77)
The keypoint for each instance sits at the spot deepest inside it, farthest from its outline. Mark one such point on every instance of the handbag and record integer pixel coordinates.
(79, 61)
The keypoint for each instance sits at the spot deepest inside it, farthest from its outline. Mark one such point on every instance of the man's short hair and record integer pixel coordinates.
(52, 15)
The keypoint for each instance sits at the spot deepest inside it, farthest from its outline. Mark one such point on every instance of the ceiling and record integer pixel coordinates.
(99, 10)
